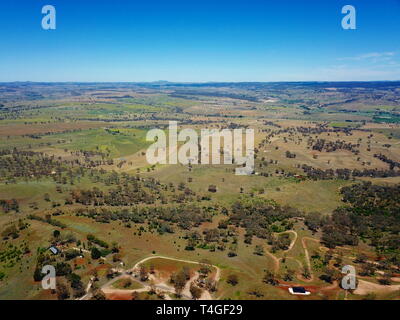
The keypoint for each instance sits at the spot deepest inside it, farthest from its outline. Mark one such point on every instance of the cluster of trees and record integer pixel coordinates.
(12, 255)
(346, 174)
(272, 124)
(15, 163)
(28, 164)
(179, 279)
(282, 242)
(220, 238)
(92, 239)
(372, 213)
(321, 128)
(119, 196)
(63, 271)
(105, 215)
(159, 218)
(330, 146)
(100, 248)
(9, 205)
(392, 163)
(290, 155)
(130, 190)
(303, 131)
(13, 230)
(258, 217)
(48, 219)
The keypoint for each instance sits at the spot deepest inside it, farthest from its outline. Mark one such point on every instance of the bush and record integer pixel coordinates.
(232, 279)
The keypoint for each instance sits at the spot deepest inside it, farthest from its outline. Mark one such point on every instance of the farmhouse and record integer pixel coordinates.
(54, 250)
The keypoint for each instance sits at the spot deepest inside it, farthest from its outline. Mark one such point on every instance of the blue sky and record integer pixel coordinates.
(199, 41)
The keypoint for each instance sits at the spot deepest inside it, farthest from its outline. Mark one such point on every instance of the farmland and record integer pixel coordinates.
(74, 176)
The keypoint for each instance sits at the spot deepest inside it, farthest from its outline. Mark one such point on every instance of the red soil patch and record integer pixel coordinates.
(99, 269)
(79, 261)
(119, 296)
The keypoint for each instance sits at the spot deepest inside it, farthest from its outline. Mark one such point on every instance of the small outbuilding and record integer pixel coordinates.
(54, 250)
(299, 291)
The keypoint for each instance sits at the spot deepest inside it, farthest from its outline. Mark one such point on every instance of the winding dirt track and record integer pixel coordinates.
(293, 241)
(277, 260)
(217, 273)
(307, 256)
(109, 290)
(364, 287)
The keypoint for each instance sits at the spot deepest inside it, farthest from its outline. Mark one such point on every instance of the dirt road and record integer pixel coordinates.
(109, 289)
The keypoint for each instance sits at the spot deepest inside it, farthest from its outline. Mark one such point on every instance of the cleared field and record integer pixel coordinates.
(46, 128)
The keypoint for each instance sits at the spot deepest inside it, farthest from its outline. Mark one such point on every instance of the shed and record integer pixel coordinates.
(299, 291)
(54, 250)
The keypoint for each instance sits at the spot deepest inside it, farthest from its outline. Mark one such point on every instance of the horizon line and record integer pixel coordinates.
(198, 82)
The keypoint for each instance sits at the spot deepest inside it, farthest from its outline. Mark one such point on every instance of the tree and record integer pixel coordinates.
(95, 253)
(10, 231)
(386, 279)
(95, 275)
(74, 279)
(79, 292)
(71, 254)
(259, 250)
(110, 273)
(330, 275)
(98, 294)
(210, 285)
(289, 275)
(328, 257)
(368, 269)
(116, 257)
(195, 291)
(114, 247)
(232, 279)
(38, 275)
(127, 283)
(306, 273)
(76, 284)
(135, 295)
(205, 267)
(63, 269)
(361, 258)
(256, 292)
(152, 287)
(270, 278)
(62, 291)
(143, 273)
(179, 281)
(186, 272)
(191, 245)
(339, 260)
(313, 221)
